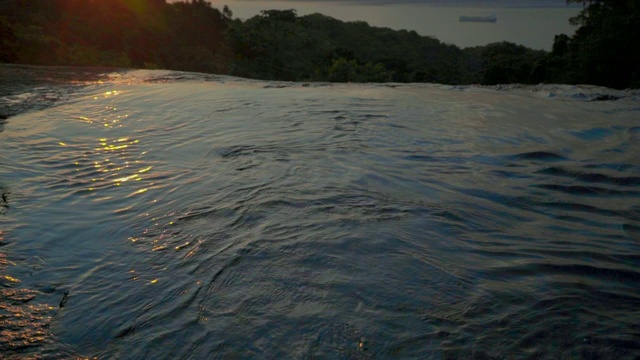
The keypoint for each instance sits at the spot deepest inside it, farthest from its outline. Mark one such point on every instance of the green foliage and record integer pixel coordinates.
(343, 70)
(8, 41)
(274, 45)
(182, 35)
(88, 56)
(603, 50)
(506, 63)
(35, 45)
(279, 44)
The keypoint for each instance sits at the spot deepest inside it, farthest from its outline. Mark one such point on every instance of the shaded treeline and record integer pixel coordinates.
(279, 45)
(121, 33)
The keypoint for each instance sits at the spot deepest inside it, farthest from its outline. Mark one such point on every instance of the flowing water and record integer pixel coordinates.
(169, 215)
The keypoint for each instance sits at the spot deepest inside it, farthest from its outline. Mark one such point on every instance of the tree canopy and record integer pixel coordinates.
(605, 49)
(280, 45)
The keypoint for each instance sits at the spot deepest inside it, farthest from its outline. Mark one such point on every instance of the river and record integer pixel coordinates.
(171, 215)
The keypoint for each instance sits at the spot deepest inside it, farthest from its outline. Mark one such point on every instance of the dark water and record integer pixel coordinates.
(156, 214)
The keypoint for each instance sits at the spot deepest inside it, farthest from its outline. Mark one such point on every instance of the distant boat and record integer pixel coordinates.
(491, 18)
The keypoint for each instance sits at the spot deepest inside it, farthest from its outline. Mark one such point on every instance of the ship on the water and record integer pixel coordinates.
(491, 18)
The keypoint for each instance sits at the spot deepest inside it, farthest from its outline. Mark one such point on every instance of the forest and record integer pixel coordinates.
(280, 45)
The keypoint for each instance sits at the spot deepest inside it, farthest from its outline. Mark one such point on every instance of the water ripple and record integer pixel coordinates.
(194, 216)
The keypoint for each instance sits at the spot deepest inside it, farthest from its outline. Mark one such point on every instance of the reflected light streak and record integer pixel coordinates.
(107, 94)
(118, 169)
(183, 245)
(134, 275)
(114, 147)
(23, 325)
(141, 191)
(10, 279)
(127, 178)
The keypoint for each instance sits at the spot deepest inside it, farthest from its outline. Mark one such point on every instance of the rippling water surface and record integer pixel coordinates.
(157, 214)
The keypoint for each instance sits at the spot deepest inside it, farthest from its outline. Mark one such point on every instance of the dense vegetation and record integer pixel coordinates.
(604, 49)
(278, 44)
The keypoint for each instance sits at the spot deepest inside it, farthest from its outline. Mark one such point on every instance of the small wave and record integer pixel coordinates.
(591, 177)
(539, 155)
(302, 220)
(587, 190)
(593, 134)
(634, 133)
(578, 92)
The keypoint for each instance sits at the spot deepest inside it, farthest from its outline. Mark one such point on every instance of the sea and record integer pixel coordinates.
(151, 214)
(525, 22)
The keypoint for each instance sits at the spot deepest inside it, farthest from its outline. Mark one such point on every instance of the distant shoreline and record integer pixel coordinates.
(534, 27)
(443, 3)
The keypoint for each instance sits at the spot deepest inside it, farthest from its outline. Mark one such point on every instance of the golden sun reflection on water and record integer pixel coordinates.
(24, 324)
(105, 121)
(107, 94)
(108, 162)
(115, 162)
